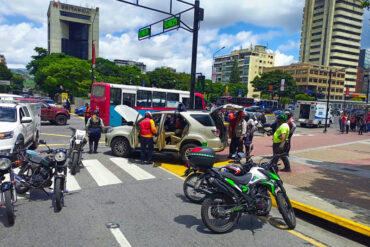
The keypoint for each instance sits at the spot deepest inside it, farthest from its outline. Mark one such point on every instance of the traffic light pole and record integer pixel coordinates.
(194, 54)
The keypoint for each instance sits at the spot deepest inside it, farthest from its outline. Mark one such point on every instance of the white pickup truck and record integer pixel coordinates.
(19, 126)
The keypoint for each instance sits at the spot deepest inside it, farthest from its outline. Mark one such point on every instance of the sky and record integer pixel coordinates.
(234, 24)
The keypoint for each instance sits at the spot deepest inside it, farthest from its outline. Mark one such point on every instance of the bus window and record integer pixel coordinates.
(98, 90)
(144, 98)
(115, 96)
(129, 99)
(173, 97)
(186, 102)
(159, 99)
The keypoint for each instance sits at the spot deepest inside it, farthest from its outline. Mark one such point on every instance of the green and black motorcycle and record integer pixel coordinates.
(233, 195)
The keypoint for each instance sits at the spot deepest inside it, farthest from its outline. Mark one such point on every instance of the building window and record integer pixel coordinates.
(345, 52)
(315, 46)
(344, 59)
(74, 15)
(318, 20)
(345, 38)
(316, 34)
(347, 18)
(346, 31)
(316, 40)
(345, 45)
(347, 24)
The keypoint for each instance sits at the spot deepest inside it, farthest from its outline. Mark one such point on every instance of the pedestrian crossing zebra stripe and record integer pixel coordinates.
(100, 173)
(72, 184)
(135, 171)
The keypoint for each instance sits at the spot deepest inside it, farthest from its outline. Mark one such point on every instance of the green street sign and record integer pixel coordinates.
(170, 23)
(144, 33)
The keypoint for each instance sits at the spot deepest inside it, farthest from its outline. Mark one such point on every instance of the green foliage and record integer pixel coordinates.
(5, 73)
(261, 83)
(16, 82)
(213, 90)
(303, 97)
(265, 96)
(284, 100)
(34, 65)
(365, 4)
(235, 73)
(182, 81)
(234, 89)
(162, 78)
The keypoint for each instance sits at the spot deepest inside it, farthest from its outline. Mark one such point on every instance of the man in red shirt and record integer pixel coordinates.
(147, 129)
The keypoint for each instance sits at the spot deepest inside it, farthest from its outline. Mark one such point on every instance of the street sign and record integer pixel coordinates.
(171, 23)
(6, 83)
(144, 33)
(282, 85)
(271, 87)
(240, 91)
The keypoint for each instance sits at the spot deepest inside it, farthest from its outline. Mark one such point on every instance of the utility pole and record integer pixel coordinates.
(92, 51)
(194, 53)
(367, 91)
(327, 102)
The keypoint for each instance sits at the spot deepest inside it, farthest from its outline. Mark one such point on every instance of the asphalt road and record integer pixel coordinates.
(145, 203)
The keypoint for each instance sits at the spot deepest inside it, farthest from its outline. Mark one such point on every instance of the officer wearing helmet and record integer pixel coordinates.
(147, 130)
(280, 140)
(94, 128)
(292, 127)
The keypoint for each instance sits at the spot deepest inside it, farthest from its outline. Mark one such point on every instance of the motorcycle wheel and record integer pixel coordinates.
(189, 191)
(268, 208)
(211, 208)
(20, 188)
(9, 207)
(74, 164)
(286, 209)
(58, 194)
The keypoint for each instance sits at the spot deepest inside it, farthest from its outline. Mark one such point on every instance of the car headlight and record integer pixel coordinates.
(109, 129)
(5, 163)
(7, 135)
(60, 156)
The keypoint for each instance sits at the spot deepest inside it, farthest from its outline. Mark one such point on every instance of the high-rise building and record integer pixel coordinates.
(331, 34)
(363, 74)
(2, 59)
(364, 61)
(141, 65)
(72, 30)
(250, 62)
(314, 79)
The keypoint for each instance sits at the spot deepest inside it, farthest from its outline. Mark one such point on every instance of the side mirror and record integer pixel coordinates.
(26, 120)
(42, 142)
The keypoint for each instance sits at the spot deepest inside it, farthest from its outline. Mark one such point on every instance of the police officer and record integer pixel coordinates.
(87, 112)
(238, 129)
(147, 130)
(280, 139)
(292, 127)
(94, 128)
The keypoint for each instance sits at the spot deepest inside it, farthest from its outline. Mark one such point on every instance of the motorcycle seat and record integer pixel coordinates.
(239, 179)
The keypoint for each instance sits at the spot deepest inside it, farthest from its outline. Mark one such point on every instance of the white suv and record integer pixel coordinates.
(19, 126)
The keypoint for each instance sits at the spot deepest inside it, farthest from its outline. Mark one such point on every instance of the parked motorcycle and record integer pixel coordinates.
(7, 192)
(234, 195)
(264, 129)
(77, 142)
(38, 173)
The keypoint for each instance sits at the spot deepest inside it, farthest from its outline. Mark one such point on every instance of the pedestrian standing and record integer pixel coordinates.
(348, 123)
(262, 118)
(147, 130)
(362, 125)
(68, 105)
(238, 128)
(368, 122)
(292, 128)
(251, 128)
(343, 122)
(281, 136)
(87, 113)
(95, 127)
(353, 123)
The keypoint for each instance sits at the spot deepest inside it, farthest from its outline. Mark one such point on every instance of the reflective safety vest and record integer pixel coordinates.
(146, 128)
(88, 112)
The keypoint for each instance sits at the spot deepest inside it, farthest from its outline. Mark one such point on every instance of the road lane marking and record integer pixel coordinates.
(135, 171)
(74, 114)
(51, 134)
(121, 239)
(72, 184)
(100, 173)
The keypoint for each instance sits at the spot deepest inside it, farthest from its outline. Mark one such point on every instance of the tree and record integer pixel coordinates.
(34, 64)
(106, 68)
(356, 99)
(5, 74)
(303, 97)
(235, 73)
(261, 83)
(163, 78)
(365, 4)
(265, 96)
(16, 82)
(235, 87)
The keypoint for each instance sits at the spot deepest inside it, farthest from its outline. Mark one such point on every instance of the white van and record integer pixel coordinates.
(311, 113)
(6, 96)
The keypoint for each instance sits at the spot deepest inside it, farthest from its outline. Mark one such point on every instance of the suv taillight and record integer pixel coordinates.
(216, 132)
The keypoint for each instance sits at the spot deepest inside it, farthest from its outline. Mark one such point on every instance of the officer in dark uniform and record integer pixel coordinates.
(95, 127)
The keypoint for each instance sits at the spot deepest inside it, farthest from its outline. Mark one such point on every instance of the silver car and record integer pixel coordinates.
(191, 129)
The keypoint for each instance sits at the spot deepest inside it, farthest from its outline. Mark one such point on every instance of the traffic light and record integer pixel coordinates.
(201, 83)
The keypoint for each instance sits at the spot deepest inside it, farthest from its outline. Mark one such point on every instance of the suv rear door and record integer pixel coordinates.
(217, 118)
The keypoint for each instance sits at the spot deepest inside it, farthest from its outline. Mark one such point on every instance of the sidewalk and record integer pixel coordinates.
(330, 176)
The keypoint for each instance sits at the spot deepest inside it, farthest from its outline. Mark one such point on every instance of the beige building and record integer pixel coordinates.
(72, 30)
(315, 79)
(331, 34)
(141, 65)
(251, 63)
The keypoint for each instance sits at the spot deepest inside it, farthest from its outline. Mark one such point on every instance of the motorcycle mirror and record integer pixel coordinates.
(42, 142)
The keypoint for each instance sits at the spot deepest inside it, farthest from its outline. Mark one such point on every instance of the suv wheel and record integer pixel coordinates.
(120, 147)
(61, 120)
(185, 150)
(35, 143)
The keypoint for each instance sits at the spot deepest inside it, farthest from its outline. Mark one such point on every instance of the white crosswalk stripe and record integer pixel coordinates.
(72, 184)
(100, 173)
(135, 171)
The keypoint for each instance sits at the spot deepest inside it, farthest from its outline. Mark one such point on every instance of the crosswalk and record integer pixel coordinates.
(100, 175)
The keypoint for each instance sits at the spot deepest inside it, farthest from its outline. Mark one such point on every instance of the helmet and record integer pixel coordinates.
(282, 118)
(96, 112)
(148, 114)
(288, 114)
(233, 169)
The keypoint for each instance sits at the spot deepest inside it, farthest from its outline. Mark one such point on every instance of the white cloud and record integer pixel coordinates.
(291, 45)
(283, 59)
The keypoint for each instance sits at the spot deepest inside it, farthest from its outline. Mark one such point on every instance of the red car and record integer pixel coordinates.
(55, 115)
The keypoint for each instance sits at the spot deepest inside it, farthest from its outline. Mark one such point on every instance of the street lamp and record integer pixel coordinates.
(213, 64)
(328, 97)
(367, 91)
